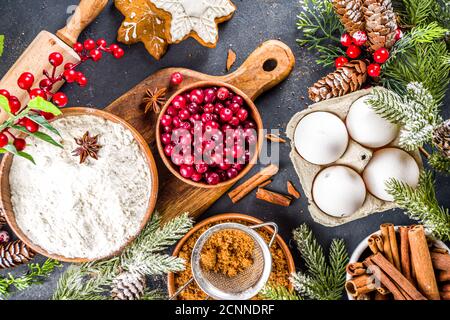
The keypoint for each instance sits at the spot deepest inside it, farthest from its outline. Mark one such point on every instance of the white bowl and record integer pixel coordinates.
(363, 246)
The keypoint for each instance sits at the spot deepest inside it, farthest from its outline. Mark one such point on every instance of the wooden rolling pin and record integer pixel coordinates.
(35, 58)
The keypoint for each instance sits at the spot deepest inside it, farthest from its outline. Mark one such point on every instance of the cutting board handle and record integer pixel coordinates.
(267, 66)
(85, 13)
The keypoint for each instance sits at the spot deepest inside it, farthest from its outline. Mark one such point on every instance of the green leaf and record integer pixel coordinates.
(39, 135)
(41, 104)
(2, 44)
(11, 149)
(43, 122)
(4, 104)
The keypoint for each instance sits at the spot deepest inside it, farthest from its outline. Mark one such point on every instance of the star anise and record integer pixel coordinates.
(155, 99)
(88, 147)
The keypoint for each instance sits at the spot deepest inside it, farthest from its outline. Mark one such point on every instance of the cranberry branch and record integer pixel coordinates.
(44, 104)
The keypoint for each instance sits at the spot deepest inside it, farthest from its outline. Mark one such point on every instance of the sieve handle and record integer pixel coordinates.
(180, 290)
(273, 225)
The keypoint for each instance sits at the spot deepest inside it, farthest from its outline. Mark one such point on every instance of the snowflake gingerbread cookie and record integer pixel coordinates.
(194, 18)
(142, 24)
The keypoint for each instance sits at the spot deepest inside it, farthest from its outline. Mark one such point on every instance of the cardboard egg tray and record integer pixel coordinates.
(356, 157)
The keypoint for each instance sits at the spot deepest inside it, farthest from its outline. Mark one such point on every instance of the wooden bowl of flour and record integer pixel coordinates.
(5, 194)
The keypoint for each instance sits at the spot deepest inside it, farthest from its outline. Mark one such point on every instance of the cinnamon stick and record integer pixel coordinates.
(445, 295)
(386, 243)
(396, 277)
(446, 287)
(383, 290)
(356, 269)
(394, 247)
(275, 138)
(265, 183)
(375, 243)
(273, 197)
(252, 183)
(440, 261)
(292, 191)
(360, 285)
(421, 261)
(404, 253)
(381, 297)
(384, 279)
(444, 276)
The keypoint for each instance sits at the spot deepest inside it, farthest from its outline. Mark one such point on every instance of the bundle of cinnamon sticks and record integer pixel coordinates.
(402, 266)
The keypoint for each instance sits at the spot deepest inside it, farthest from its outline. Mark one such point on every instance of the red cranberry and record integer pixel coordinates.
(232, 173)
(212, 178)
(176, 122)
(166, 120)
(224, 166)
(195, 118)
(210, 95)
(218, 107)
(235, 107)
(207, 117)
(210, 126)
(223, 93)
(171, 111)
(208, 108)
(226, 127)
(238, 166)
(167, 129)
(226, 114)
(189, 160)
(249, 125)
(238, 99)
(222, 175)
(166, 138)
(193, 108)
(242, 115)
(186, 125)
(168, 150)
(234, 121)
(197, 96)
(184, 114)
(186, 171)
(237, 151)
(196, 176)
(176, 78)
(179, 102)
(201, 167)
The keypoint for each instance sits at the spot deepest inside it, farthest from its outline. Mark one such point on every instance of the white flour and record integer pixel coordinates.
(87, 210)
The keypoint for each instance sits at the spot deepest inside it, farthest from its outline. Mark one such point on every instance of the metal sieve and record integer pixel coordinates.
(246, 284)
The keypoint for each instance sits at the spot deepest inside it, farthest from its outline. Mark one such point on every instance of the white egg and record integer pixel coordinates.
(339, 191)
(386, 164)
(321, 138)
(366, 127)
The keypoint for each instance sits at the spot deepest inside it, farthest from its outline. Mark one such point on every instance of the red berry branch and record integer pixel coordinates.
(29, 119)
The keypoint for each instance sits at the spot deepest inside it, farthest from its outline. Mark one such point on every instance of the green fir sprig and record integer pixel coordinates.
(35, 275)
(324, 280)
(271, 292)
(321, 30)
(2, 44)
(421, 204)
(439, 162)
(93, 281)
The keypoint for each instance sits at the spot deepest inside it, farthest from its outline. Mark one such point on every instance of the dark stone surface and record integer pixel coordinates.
(254, 22)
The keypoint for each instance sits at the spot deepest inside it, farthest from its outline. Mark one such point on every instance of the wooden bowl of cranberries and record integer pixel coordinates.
(209, 134)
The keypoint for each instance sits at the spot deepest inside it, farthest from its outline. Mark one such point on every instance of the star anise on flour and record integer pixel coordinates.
(155, 99)
(88, 147)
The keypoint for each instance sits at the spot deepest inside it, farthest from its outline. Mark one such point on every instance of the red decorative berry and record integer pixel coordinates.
(4, 236)
(3, 140)
(78, 47)
(82, 81)
(381, 55)
(22, 122)
(38, 93)
(14, 104)
(70, 75)
(373, 70)
(31, 126)
(118, 53)
(68, 66)
(45, 84)
(25, 81)
(340, 62)
(60, 99)
(20, 144)
(353, 51)
(4, 93)
(359, 38)
(55, 59)
(398, 34)
(95, 54)
(176, 79)
(102, 43)
(89, 44)
(47, 115)
(346, 40)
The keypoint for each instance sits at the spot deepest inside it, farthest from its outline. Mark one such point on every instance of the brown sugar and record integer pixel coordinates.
(228, 252)
(280, 269)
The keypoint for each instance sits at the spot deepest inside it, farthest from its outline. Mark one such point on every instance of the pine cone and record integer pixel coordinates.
(381, 24)
(128, 286)
(344, 80)
(441, 138)
(350, 14)
(14, 253)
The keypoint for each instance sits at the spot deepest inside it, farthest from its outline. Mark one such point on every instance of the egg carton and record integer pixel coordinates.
(356, 157)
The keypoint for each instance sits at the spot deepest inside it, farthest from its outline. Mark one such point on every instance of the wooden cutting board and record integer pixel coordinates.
(266, 67)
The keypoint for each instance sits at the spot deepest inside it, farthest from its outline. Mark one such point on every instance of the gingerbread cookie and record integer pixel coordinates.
(142, 24)
(194, 18)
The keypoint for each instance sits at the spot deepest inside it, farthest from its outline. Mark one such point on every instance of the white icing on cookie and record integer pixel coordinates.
(128, 27)
(195, 15)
